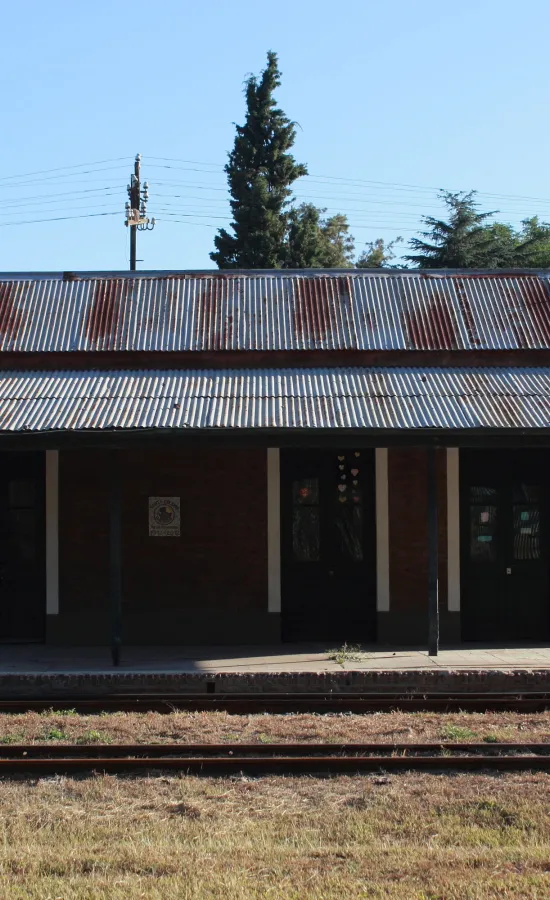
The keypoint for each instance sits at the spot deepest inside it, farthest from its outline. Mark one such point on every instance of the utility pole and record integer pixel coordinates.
(136, 210)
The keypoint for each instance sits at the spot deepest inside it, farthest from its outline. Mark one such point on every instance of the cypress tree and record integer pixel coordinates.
(462, 242)
(260, 172)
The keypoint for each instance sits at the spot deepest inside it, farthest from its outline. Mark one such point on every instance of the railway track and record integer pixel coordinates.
(290, 759)
(242, 704)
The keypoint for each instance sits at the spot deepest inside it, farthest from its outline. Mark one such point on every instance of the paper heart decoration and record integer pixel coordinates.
(341, 488)
(355, 472)
(357, 453)
(304, 492)
(356, 499)
(341, 467)
(355, 482)
(342, 499)
(341, 458)
(343, 477)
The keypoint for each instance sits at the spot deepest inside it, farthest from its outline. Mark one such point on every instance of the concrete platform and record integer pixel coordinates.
(294, 658)
(38, 670)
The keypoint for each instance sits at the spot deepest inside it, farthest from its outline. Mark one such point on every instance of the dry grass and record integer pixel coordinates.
(219, 727)
(412, 837)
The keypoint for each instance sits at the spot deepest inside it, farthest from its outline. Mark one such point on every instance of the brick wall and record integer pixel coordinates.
(220, 560)
(408, 530)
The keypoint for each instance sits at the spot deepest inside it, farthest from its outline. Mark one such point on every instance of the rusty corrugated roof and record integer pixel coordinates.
(306, 310)
(365, 398)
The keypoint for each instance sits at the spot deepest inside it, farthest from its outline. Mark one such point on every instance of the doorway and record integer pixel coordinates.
(504, 545)
(22, 548)
(328, 552)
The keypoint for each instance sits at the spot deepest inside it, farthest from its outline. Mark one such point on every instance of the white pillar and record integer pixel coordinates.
(382, 530)
(453, 529)
(273, 531)
(52, 532)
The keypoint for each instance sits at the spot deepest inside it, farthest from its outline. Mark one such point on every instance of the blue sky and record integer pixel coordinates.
(393, 100)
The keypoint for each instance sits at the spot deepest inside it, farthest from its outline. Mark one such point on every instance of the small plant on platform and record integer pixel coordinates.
(457, 732)
(346, 653)
(491, 739)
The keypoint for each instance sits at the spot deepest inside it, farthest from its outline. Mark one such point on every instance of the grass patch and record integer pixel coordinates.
(54, 734)
(457, 732)
(58, 712)
(94, 737)
(411, 836)
(12, 739)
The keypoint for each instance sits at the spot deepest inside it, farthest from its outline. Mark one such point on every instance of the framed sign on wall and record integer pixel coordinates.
(164, 516)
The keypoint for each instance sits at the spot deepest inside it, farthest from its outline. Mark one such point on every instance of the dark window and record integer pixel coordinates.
(305, 520)
(526, 522)
(22, 539)
(21, 494)
(348, 499)
(483, 524)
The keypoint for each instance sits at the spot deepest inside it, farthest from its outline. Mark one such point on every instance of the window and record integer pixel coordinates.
(305, 520)
(526, 540)
(348, 500)
(483, 524)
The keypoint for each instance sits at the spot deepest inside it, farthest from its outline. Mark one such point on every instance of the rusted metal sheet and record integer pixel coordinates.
(355, 310)
(366, 398)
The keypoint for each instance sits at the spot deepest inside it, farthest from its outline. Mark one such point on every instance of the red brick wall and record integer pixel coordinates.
(220, 560)
(408, 528)
(83, 531)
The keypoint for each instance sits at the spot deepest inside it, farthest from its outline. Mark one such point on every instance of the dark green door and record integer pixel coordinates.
(328, 545)
(504, 541)
(22, 547)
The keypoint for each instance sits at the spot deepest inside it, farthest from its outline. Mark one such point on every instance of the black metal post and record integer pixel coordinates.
(115, 580)
(433, 586)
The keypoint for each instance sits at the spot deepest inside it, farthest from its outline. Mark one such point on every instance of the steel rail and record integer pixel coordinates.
(222, 751)
(214, 759)
(243, 704)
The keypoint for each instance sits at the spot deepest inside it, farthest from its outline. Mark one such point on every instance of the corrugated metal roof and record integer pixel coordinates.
(373, 398)
(345, 310)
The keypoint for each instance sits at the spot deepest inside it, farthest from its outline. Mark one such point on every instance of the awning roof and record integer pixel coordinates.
(340, 398)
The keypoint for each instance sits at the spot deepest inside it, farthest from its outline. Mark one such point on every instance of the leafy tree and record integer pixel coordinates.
(317, 242)
(534, 244)
(527, 247)
(462, 242)
(340, 245)
(378, 255)
(260, 172)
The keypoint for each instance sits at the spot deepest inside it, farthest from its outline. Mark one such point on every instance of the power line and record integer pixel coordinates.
(59, 219)
(99, 162)
(392, 184)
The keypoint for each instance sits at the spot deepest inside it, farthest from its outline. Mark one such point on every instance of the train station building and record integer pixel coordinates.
(263, 457)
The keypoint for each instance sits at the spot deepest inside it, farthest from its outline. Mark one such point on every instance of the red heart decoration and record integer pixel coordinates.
(304, 492)
(355, 472)
(341, 488)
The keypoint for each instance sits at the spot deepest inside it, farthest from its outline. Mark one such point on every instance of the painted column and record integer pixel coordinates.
(115, 556)
(433, 555)
(52, 532)
(273, 531)
(382, 531)
(453, 529)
